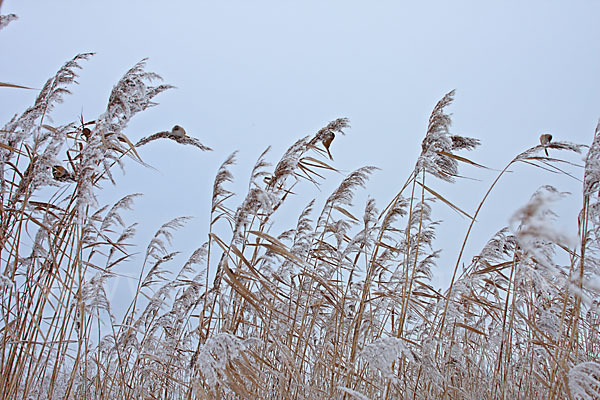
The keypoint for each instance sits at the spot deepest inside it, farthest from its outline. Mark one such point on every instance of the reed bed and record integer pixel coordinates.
(338, 306)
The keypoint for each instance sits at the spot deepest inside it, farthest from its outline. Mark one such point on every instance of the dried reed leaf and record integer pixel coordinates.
(470, 328)
(346, 213)
(389, 247)
(283, 251)
(492, 268)
(463, 159)
(45, 206)
(442, 198)
(4, 84)
(313, 162)
(268, 237)
(10, 148)
(540, 379)
(219, 241)
(242, 290)
(131, 147)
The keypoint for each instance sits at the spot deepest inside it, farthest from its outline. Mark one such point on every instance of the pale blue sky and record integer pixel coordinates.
(254, 73)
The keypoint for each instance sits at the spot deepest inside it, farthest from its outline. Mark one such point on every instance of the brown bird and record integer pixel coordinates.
(178, 131)
(327, 139)
(86, 132)
(545, 140)
(61, 174)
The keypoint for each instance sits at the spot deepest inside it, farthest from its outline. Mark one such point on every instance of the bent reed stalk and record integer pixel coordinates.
(338, 306)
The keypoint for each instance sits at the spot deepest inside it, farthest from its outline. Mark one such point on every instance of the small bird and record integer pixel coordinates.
(86, 132)
(545, 140)
(61, 174)
(327, 139)
(178, 131)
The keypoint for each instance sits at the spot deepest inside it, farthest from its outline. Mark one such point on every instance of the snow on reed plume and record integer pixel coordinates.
(338, 305)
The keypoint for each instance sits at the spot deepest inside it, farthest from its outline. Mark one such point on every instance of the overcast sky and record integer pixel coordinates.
(257, 73)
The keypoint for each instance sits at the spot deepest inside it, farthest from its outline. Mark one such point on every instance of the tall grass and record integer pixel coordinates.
(338, 306)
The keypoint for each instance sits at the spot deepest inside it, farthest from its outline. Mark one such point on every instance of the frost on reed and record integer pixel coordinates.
(59, 247)
(338, 305)
(584, 381)
(6, 19)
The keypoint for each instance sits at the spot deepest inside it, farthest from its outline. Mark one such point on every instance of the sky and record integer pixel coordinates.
(252, 74)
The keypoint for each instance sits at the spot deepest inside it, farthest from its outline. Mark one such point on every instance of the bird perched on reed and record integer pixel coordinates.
(545, 140)
(177, 134)
(327, 139)
(61, 174)
(87, 133)
(178, 131)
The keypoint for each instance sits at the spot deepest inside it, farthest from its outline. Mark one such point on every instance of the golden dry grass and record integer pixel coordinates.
(338, 306)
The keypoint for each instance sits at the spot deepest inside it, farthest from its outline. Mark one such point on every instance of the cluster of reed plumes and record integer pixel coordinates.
(339, 306)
